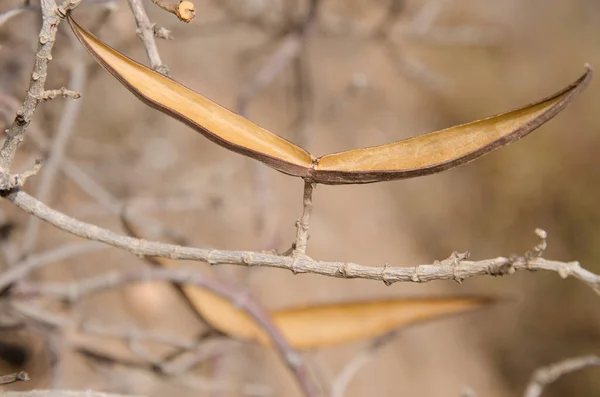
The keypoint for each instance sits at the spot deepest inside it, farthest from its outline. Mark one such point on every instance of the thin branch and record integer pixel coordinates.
(544, 376)
(146, 33)
(22, 269)
(303, 223)
(345, 376)
(185, 10)
(65, 129)
(81, 288)
(454, 268)
(289, 50)
(43, 55)
(5, 16)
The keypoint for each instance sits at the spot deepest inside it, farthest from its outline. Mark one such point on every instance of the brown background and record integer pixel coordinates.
(360, 97)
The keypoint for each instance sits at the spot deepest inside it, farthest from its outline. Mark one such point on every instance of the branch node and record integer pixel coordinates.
(384, 275)
(138, 250)
(209, 258)
(162, 32)
(415, 276)
(538, 249)
(10, 182)
(294, 265)
(62, 92)
(343, 270)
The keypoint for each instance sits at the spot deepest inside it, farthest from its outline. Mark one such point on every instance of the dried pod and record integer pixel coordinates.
(422, 155)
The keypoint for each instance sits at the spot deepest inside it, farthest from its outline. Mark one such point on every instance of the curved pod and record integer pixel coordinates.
(422, 155)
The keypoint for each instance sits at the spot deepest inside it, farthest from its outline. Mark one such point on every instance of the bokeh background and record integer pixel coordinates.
(352, 88)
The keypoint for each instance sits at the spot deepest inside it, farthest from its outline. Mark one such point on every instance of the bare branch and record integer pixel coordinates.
(451, 269)
(303, 223)
(185, 10)
(43, 55)
(10, 182)
(5, 16)
(81, 288)
(21, 270)
(544, 376)
(146, 33)
(345, 376)
(65, 129)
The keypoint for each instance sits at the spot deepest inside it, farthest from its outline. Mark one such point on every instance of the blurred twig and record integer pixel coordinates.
(22, 269)
(342, 380)
(544, 376)
(5, 16)
(58, 148)
(288, 51)
(83, 287)
(12, 378)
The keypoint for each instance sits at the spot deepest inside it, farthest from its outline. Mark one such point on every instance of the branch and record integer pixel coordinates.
(65, 129)
(185, 10)
(146, 33)
(84, 287)
(455, 268)
(303, 223)
(21, 269)
(544, 376)
(33, 96)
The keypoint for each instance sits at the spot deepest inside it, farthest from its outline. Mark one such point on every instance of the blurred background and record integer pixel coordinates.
(370, 73)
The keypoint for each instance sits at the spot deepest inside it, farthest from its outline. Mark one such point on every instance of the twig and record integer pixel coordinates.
(10, 182)
(303, 224)
(544, 376)
(146, 33)
(185, 10)
(342, 380)
(81, 288)
(22, 269)
(289, 50)
(5, 16)
(12, 378)
(43, 55)
(455, 269)
(65, 129)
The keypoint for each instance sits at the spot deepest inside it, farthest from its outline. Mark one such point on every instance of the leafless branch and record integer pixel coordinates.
(5, 16)
(47, 36)
(303, 224)
(343, 379)
(289, 50)
(65, 129)
(185, 10)
(146, 33)
(451, 269)
(544, 376)
(31, 263)
(81, 288)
